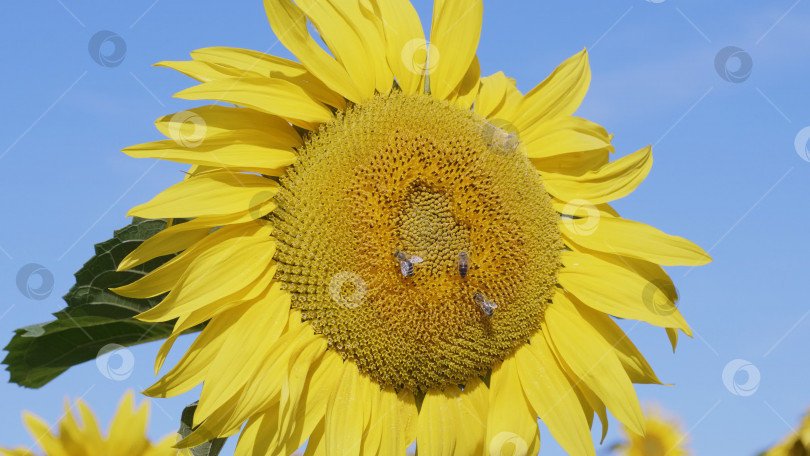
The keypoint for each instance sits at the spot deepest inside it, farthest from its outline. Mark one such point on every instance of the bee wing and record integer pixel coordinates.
(415, 259)
(406, 268)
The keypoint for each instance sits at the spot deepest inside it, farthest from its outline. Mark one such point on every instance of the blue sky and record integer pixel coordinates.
(727, 175)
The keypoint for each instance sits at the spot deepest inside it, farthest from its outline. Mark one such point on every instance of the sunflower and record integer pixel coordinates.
(387, 246)
(664, 437)
(82, 436)
(797, 443)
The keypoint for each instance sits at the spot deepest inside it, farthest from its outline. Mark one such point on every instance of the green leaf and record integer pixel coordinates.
(209, 448)
(94, 316)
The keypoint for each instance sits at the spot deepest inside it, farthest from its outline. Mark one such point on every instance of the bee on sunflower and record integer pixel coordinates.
(388, 247)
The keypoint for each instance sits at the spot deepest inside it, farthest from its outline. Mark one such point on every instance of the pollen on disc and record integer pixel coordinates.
(424, 178)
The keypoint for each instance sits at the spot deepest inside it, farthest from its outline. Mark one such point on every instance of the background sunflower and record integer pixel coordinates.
(79, 433)
(656, 82)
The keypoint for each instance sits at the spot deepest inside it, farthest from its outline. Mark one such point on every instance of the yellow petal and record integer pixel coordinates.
(215, 193)
(399, 422)
(637, 240)
(41, 432)
(575, 163)
(236, 150)
(270, 66)
(610, 182)
(218, 274)
(370, 28)
(166, 276)
(454, 37)
(564, 135)
(343, 39)
(129, 425)
(171, 240)
(553, 398)
(672, 334)
(473, 409)
(201, 71)
(259, 431)
(403, 34)
(237, 361)
(346, 413)
(593, 360)
(216, 119)
(438, 418)
(309, 413)
(294, 388)
(594, 404)
(558, 95)
(273, 96)
(511, 421)
(372, 435)
(316, 445)
(193, 366)
(491, 93)
(289, 24)
(464, 95)
(637, 367)
(619, 291)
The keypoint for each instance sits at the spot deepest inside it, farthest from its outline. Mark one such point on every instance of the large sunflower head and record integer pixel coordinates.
(81, 435)
(387, 246)
(664, 437)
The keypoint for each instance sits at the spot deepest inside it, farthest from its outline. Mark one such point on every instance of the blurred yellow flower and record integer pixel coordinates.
(81, 436)
(796, 443)
(664, 437)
